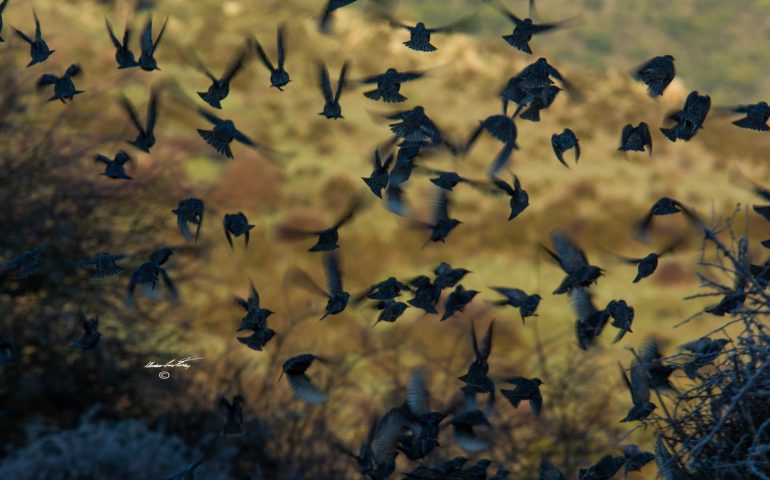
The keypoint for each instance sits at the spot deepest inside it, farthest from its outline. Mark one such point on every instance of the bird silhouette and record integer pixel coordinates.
(636, 458)
(526, 389)
(573, 261)
(115, 168)
(258, 339)
(457, 301)
(536, 104)
(145, 139)
(220, 86)
(390, 310)
(328, 237)
(147, 59)
(702, 352)
(447, 276)
(63, 87)
(604, 469)
(279, 77)
(532, 83)
(3, 4)
(301, 385)
(336, 298)
(440, 225)
(501, 127)
(563, 142)
(756, 116)
(689, 119)
(464, 429)
(663, 206)
(233, 414)
(423, 424)
(149, 273)
(420, 34)
(89, 339)
(389, 85)
(189, 210)
(639, 387)
(657, 73)
(477, 379)
(519, 197)
(104, 265)
(622, 316)
(590, 320)
(38, 48)
(324, 23)
(235, 225)
(123, 55)
(636, 139)
(426, 294)
(379, 178)
(524, 28)
(224, 133)
(647, 265)
(518, 298)
(25, 264)
(387, 289)
(256, 316)
(332, 108)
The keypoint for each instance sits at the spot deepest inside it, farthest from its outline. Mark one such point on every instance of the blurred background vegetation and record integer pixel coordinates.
(51, 189)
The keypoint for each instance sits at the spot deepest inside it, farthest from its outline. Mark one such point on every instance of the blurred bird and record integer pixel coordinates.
(604, 469)
(236, 224)
(465, 424)
(328, 237)
(90, 336)
(590, 320)
(532, 83)
(7, 352)
(123, 55)
(548, 471)
(415, 126)
(524, 29)
(385, 290)
(187, 473)
(526, 389)
(563, 142)
(657, 372)
(379, 178)
(3, 4)
(104, 265)
(519, 197)
(426, 294)
(332, 108)
(639, 387)
(457, 301)
(38, 49)
(646, 266)
(703, 352)
(25, 264)
(448, 180)
(337, 298)
(301, 385)
(147, 275)
(689, 119)
(224, 132)
(233, 415)
(573, 261)
(390, 310)
(115, 168)
(389, 85)
(657, 73)
(501, 127)
(220, 87)
(756, 116)
(424, 425)
(256, 316)
(331, 6)
(189, 210)
(636, 458)
(517, 298)
(63, 87)
(419, 34)
(622, 316)
(258, 339)
(635, 139)
(147, 59)
(441, 225)
(477, 379)
(279, 77)
(447, 276)
(145, 139)
(668, 465)
(537, 104)
(662, 206)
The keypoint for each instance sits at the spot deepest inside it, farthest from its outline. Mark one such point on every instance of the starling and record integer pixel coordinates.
(563, 142)
(657, 372)
(419, 34)
(457, 301)
(63, 87)
(328, 237)
(703, 352)
(385, 290)
(390, 310)
(622, 317)
(236, 224)
(332, 108)
(38, 49)
(379, 178)
(145, 139)
(477, 379)
(756, 116)
(189, 210)
(104, 265)
(301, 385)
(548, 471)
(25, 264)
(279, 77)
(258, 338)
(90, 336)
(233, 415)
(224, 132)
(590, 320)
(465, 434)
(526, 389)
(332, 5)
(662, 206)
(426, 294)
(519, 197)
(657, 74)
(147, 59)
(524, 29)
(115, 168)
(573, 261)
(123, 55)
(256, 316)
(501, 127)
(389, 85)
(441, 224)
(689, 119)
(150, 272)
(448, 276)
(517, 298)
(639, 387)
(636, 139)
(604, 469)
(220, 86)
(636, 458)
(336, 298)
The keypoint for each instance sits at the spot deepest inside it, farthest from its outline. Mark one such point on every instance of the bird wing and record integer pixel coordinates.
(326, 86)
(341, 82)
(333, 273)
(548, 471)
(161, 255)
(417, 393)
(114, 39)
(557, 149)
(501, 8)
(263, 56)
(504, 186)
(571, 257)
(644, 133)
(129, 108)
(303, 280)
(390, 428)
(101, 158)
(146, 40)
(46, 79)
(202, 67)
(470, 23)
(280, 46)
(485, 347)
(354, 206)
(38, 32)
(235, 65)
(210, 116)
(640, 386)
(582, 304)
(254, 297)
(152, 110)
(441, 206)
(23, 36)
(408, 76)
(238, 135)
(160, 36)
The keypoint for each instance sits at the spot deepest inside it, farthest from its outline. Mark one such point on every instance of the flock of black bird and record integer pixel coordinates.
(412, 428)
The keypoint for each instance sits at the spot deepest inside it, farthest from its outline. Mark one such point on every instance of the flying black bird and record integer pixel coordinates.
(448, 180)
(145, 139)
(385, 290)
(689, 119)
(756, 116)
(328, 237)
(537, 104)
(224, 132)
(703, 352)
(415, 126)
(639, 387)
(656, 73)
(7, 352)
(115, 168)
(220, 87)
(502, 127)
(258, 338)
(604, 469)
(332, 108)
(256, 316)
(90, 336)
(389, 85)
(441, 224)
(337, 298)
(147, 59)
(590, 320)
(477, 379)
(622, 316)
(3, 4)
(636, 458)
(563, 142)
(519, 197)
(38, 49)
(186, 473)
(448, 276)
(647, 265)
(532, 83)
(419, 35)
(25, 264)
(379, 178)
(63, 87)
(465, 435)
(662, 206)
(123, 55)
(524, 29)
(233, 415)
(517, 298)
(331, 5)
(457, 301)
(426, 294)
(379, 465)
(390, 310)
(236, 224)
(189, 210)
(573, 261)
(657, 372)
(422, 422)
(104, 265)
(301, 385)
(279, 77)
(635, 139)
(147, 275)
(526, 389)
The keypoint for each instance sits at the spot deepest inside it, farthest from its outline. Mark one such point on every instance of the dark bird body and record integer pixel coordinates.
(379, 178)
(390, 310)
(38, 48)
(301, 385)
(426, 294)
(150, 272)
(689, 119)
(703, 352)
(104, 265)
(233, 415)
(622, 317)
(385, 290)
(145, 139)
(663, 206)
(573, 261)
(526, 389)
(90, 336)
(563, 142)
(25, 264)
(524, 28)
(441, 225)
(517, 298)
(636, 139)
(63, 87)
(639, 387)
(457, 301)
(604, 469)
(657, 74)
(279, 77)
(220, 86)
(636, 458)
(336, 298)
(519, 197)
(258, 339)
(532, 83)
(448, 276)
(477, 379)
(420, 34)
(590, 320)
(465, 435)
(123, 55)
(331, 6)
(115, 168)
(756, 116)
(223, 134)
(501, 127)
(328, 237)
(256, 316)
(147, 59)
(235, 225)
(389, 85)
(332, 108)
(189, 210)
